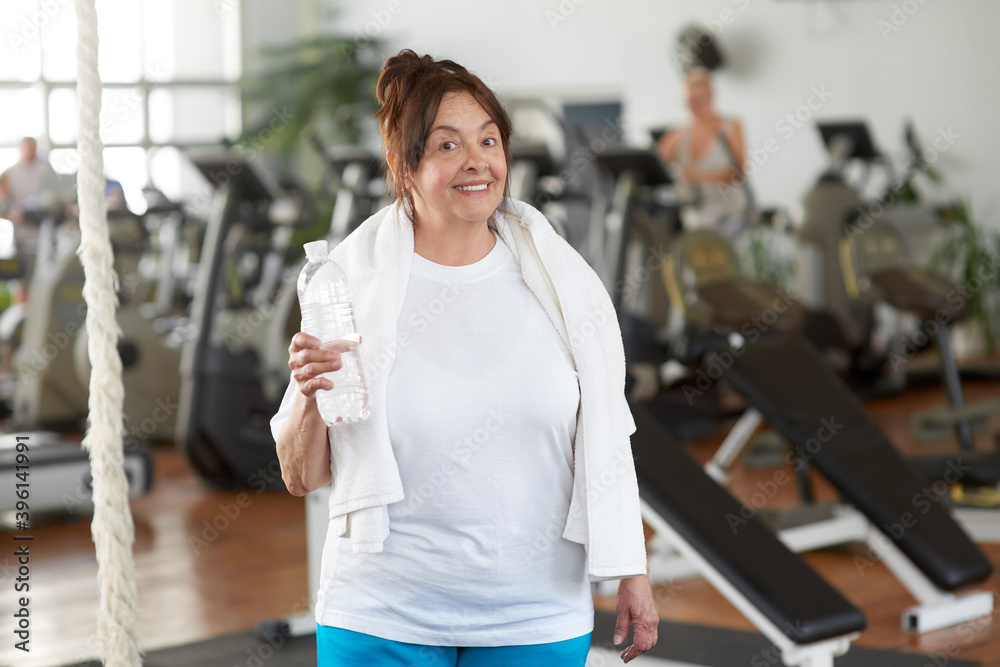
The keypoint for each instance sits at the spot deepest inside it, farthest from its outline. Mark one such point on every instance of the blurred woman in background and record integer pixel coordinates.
(708, 159)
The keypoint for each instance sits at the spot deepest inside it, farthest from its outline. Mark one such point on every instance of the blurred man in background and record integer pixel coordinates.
(23, 190)
(22, 185)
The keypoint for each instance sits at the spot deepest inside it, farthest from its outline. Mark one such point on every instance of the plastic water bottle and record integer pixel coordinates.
(325, 302)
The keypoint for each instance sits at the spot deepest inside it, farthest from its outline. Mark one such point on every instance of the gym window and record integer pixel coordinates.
(170, 70)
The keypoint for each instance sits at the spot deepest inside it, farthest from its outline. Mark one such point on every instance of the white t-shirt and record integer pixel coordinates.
(482, 405)
(26, 182)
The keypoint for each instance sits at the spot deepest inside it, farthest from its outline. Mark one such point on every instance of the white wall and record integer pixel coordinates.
(269, 23)
(936, 68)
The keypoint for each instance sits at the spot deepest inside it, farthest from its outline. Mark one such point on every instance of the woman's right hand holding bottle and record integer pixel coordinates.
(309, 361)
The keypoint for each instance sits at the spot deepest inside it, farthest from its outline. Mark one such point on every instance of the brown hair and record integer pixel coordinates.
(410, 89)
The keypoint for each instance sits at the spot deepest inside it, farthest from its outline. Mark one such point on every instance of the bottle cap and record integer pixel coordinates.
(316, 250)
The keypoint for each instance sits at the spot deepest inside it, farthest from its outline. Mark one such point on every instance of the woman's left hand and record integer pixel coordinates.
(636, 606)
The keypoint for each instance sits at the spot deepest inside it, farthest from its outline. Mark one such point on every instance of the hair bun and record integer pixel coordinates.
(401, 72)
(398, 75)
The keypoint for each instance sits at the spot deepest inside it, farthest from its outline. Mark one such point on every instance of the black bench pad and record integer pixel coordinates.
(921, 292)
(774, 579)
(788, 382)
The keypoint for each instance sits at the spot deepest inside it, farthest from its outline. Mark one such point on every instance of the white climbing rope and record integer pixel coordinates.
(111, 528)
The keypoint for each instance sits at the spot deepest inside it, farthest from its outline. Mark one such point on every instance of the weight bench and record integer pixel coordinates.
(876, 262)
(894, 510)
(749, 334)
(793, 606)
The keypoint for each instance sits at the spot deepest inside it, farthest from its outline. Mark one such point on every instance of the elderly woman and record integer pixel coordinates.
(465, 528)
(709, 156)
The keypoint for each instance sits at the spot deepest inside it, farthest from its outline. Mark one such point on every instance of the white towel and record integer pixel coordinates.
(604, 510)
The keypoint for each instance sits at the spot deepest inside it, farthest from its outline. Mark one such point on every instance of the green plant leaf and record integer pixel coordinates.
(314, 78)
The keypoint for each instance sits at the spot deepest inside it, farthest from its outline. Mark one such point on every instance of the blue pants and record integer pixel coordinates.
(336, 647)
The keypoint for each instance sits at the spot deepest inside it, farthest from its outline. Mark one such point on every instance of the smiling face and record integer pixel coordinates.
(461, 176)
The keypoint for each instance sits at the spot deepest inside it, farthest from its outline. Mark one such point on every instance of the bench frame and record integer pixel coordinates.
(817, 654)
(936, 609)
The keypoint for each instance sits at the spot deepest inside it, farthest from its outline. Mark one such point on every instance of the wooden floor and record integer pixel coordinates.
(210, 563)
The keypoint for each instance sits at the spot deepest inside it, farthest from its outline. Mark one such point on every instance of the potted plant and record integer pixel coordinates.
(324, 87)
(916, 165)
(324, 84)
(970, 255)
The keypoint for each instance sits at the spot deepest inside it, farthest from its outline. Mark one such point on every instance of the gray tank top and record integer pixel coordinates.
(719, 203)
(714, 158)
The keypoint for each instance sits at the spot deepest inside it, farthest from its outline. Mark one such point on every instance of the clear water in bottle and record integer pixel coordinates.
(325, 302)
